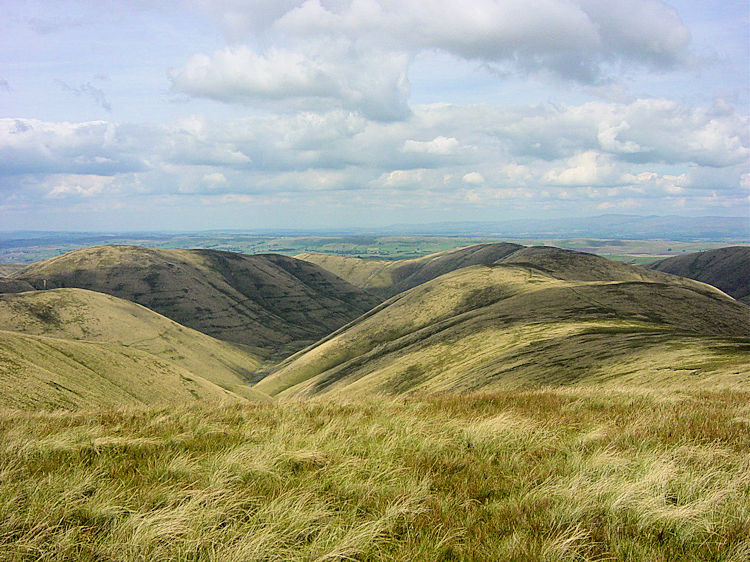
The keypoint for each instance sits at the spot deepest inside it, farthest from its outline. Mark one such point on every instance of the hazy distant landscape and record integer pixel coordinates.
(626, 238)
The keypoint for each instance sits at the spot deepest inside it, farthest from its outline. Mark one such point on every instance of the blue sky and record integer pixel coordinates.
(198, 114)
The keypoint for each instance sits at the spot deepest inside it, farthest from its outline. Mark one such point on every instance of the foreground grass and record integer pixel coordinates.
(535, 475)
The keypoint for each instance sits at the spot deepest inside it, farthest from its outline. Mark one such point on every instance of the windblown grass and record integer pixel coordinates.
(576, 474)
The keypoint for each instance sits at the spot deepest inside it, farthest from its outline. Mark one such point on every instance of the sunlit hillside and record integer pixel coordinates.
(540, 316)
(565, 474)
(77, 348)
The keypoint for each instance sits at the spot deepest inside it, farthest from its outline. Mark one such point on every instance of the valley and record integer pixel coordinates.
(489, 401)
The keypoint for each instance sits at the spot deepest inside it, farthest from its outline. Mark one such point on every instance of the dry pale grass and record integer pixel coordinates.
(565, 474)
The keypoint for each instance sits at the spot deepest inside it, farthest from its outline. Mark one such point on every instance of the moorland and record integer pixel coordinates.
(495, 400)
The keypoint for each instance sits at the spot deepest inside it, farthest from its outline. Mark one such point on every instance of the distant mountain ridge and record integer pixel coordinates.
(633, 227)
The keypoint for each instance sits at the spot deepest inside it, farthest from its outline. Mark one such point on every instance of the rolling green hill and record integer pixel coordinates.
(78, 348)
(388, 278)
(725, 268)
(539, 316)
(273, 304)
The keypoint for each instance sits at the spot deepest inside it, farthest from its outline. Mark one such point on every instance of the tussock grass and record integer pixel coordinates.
(561, 474)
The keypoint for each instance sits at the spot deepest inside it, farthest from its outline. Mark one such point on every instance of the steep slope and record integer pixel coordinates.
(388, 278)
(273, 304)
(555, 317)
(14, 285)
(38, 373)
(77, 314)
(725, 268)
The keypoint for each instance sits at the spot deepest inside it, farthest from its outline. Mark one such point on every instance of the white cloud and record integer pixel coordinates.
(473, 178)
(64, 185)
(438, 145)
(214, 179)
(517, 153)
(321, 76)
(355, 53)
(607, 138)
(587, 168)
(403, 178)
(95, 147)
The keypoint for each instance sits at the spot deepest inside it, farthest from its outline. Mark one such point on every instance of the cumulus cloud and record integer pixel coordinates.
(326, 77)
(355, 54)
(63, 185)
(473, 178)
(586, 168)
(644, 150)
(30, 146)
(438, 145)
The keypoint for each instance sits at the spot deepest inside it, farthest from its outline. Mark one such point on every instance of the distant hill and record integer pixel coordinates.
(274, 304)
(78, 348)
(725, 268)
(539, 316)
(387, 278)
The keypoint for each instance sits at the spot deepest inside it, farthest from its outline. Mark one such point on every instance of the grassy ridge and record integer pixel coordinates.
(512, 325)
(271, 303)
(537, 475)
(143, 340)
(388, 278)
(41, 373)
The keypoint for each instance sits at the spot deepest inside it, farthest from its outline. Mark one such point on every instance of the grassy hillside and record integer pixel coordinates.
(388, 278)
(725, 268)
(273, 304)
(566, 474)
(9, 268)
(515, 324)
(77, 314)
(41, 373)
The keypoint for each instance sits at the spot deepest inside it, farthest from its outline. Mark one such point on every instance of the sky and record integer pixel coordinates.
(230, 114)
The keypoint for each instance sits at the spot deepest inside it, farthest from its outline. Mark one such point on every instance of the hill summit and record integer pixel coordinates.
(271, 303)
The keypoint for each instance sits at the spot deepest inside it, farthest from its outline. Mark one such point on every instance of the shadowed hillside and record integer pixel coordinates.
(14, 285)
(77, 314)
(388, 278)
(273, 304)
(552, 317)
(725, 268)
